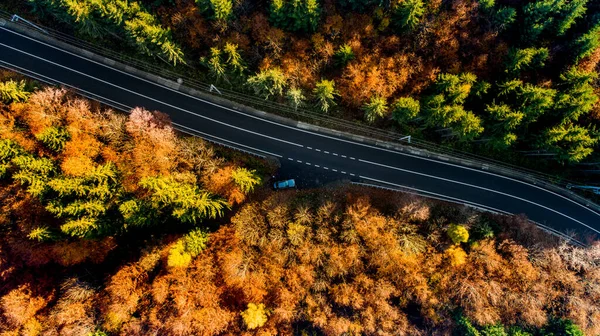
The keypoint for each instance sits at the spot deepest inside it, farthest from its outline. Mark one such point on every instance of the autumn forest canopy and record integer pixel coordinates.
(495, 77)
(114, 224)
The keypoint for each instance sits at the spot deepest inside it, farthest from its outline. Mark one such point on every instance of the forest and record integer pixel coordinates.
(115, 224)
(501, 78)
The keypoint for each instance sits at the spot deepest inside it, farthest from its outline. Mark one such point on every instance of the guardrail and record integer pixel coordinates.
(389, 138)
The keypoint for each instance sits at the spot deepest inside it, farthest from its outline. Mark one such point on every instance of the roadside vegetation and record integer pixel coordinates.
(113, 224)
(501, 78)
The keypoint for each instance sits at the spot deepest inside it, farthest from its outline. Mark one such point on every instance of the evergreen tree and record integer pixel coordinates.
(571, 143)
(187, 248)
(33, 172)
(408, 14)
(235, 63)
(587, 43)
(577, 96)
(221, 10)
(41, 234)
(245, 179)
(185, 201)
(295, 15)
(295, 97)
(535, 101)
(268, 83)
(343, 55)
(523, 59)
(405, 109)
(11, 91)
(376, 108)
(214, 63)
(54, 138)
(325, 93)
(552, 17)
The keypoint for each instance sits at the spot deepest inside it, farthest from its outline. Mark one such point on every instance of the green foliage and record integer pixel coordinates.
(224, 62)
(54, 138)
(137, 213)
(504, 117)
(455, 88)
(245, 179)
(255, 316)
(376, 108)
(551, 17)
(405, 109)
(187, 248)
(268, 83)
(97, 19)
(295, 97)
(85, 202)
(9, 149)
(33, 172)
(465, 327)
(458, 233)
(12, 91)
(522, 59)
(408, 14)
(295, 15)
(41, 234)
(535, 101)
(577, 96)
(185, 201)
(221, 10)
(504, 17)
(493, 330)
(325, 93)
(571, 143)
(343, 55)
(587, 43)
(563, 327)
(482, 230)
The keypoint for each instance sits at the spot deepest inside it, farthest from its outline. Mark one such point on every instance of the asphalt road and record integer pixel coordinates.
(304, 152)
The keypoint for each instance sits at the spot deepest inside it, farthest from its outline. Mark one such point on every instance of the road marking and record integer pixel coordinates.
(459, 201)
(334, 154)
(317, 166)
(482, 188)
(303, 130)
(308, 164)
(290, 159)
(326, 168)
(335, 170)
(343, 172)
(326, 152)
(352, 174)
(299, 161)
(309, 147)
(344, 156)
(352, 158)
(318, 150)
(127, 109)
(155, 100)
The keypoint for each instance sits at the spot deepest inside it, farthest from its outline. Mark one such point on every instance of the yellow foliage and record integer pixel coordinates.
(456, 255)
(255, 316)
(458, 233)
(178, 257)
(32, 327)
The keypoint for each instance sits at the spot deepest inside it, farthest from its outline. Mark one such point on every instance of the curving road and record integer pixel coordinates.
(296, 148)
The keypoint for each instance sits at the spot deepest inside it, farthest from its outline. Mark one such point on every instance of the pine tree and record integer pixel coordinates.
(234, 60)
(295, 97)
(551, 17)
(376, 108)
(405, 109)
(571, 143)
(577, 96)
(343, 55)
(408, 14)
(54, 138)
(325, 93)
(295, 15)
(11, 91)
(268, 83)
(523, 59)
(245, 179)
(587, 43)
(221, 10)
(185, 201)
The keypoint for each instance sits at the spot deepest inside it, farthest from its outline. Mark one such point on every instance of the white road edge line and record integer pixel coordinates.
(51, 81)
(482, 188)
(303, 130)
(150, 98)
(461, 201)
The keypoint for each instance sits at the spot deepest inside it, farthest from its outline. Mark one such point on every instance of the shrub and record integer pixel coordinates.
(458, 233)
(255, 316)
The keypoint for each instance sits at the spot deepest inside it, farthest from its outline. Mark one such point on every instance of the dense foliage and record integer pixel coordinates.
(491, 76)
